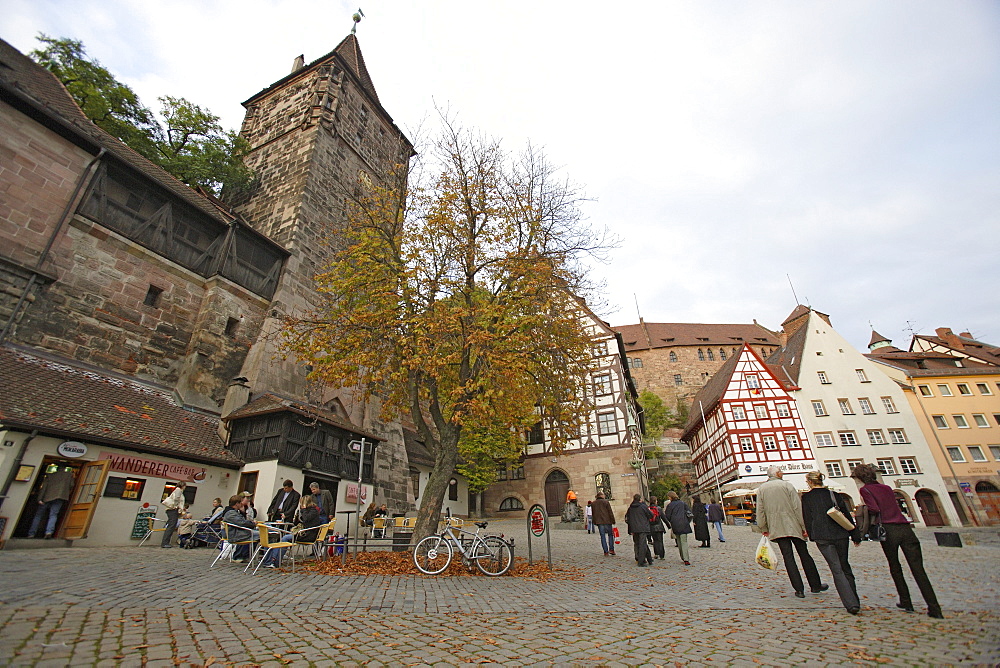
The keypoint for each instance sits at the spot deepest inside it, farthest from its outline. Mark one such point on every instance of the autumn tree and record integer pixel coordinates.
(656, 416)
(186, 140)
(450, 298)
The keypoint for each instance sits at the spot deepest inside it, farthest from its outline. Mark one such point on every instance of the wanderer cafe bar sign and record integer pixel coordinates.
(154, 468)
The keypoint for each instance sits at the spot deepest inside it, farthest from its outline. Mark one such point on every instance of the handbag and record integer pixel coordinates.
(838, 516)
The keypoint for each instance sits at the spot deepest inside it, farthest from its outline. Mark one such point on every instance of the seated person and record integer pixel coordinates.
(215, 514)
(241, 528)
(366, 519)
(185, 529)
(309, 517)
(382, 511)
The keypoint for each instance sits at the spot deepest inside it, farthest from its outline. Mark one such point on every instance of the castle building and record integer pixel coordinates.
(956, 400)
(854, 413)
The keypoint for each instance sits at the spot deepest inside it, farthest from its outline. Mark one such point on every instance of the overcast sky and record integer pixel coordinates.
(853, 146)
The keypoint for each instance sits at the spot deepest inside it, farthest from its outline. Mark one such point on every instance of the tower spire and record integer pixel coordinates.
(357, 19)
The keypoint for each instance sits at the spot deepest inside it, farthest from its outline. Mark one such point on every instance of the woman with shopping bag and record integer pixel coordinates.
(825, 514)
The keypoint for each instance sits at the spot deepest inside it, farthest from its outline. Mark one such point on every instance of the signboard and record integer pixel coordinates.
(351, 494)
(141, 524)
(72, 449)
(966, 487)
(902, 482)
(537, 520)
(154, 468)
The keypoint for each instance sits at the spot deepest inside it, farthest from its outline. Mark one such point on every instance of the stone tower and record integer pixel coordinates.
(317, 137)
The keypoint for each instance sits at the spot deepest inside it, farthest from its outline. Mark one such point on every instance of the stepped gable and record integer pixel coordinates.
(273, 403)
(61, 398)
(669, 334)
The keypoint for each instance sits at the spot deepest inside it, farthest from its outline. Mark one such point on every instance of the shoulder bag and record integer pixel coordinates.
(838, 516)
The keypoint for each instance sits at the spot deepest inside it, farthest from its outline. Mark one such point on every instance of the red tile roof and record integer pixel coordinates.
(64, 399)
(644, 336)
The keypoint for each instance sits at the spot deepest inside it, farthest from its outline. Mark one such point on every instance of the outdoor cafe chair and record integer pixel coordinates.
(265, 545)
(316, 545)
(150, 530)
(378, 526)
(229, 546)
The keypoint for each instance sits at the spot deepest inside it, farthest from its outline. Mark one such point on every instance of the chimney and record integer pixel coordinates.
(966, 335)
(948, 336)
(299, 63)
(237, 396)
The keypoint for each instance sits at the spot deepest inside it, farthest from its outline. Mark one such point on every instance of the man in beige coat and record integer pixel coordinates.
(779, 516)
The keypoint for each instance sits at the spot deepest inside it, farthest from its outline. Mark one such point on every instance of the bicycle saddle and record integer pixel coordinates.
(481, 525)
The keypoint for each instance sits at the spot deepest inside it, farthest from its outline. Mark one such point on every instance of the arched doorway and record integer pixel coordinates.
(989, 496)
(929, 509)
(904, 504)
(556, 486)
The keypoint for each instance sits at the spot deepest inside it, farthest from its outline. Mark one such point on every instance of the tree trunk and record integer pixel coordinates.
(432, 498)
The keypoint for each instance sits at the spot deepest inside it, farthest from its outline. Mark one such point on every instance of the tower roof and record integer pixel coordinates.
(350, 51)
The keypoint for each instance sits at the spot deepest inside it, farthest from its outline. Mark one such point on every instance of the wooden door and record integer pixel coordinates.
(556, 486)
(929, 508)
(989, 496)
(84, 499)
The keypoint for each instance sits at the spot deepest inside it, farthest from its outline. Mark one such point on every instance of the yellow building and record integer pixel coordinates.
(957, 402)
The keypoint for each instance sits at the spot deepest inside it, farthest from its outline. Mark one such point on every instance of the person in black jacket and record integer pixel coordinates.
(677, 515)
(638, 517)
(700, 522)
(657, 528)
(830, 537)
(284, 504)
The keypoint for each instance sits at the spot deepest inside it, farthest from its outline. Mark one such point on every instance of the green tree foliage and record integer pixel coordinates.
(657, 417)
(187, 141)
(663, 484)
(450, 299)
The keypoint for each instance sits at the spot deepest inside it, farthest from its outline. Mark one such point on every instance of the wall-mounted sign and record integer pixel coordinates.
(902, 482)
(72, 449)
(966, 487)
(351, 493)
(154, 468)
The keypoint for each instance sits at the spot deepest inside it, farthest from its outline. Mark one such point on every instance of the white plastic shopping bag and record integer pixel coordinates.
(766, 556)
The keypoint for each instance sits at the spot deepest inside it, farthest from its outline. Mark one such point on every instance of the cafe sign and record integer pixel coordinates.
(154, 468)
(72, 449)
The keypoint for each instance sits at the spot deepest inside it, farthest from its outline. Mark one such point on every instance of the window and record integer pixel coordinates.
(711, 356)
(602, 383)
(677, 379)
(783, 410)
(739, 413)
(875, 437)
(996, 418)
(819, 408)
(983, 388)
(960, 421)
(701, 355)
(753, 382)
(722, 354)
(940, 422)
(453, 490)
(980, 419)
(769, 443)
(866, 406)
(897, 436)
(511, 503)
(925, 390)
(834, 470)
(792, 440)
(501, 473)
(602, 481)
(845, 406)
(153, 296)
(853, 464)
(517, 472)
(977, 453)
(606, 423)
(760, 411)
(636, 363)
(125, 488)
(908, 465)
(955, 453)
(536, 434)
(823, 439)
(945, 391)
(889, 406)
(964, 390)
(822, 377)
(847, 438)
(995, 451)
(861, 375)
(885, 466)
(746, 443)
(231, 326)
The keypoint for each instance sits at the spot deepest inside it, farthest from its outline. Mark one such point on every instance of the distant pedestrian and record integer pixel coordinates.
(700, 522)
(604, 520)
(657, 528)
(678, 517)
(638, 517)
(589, 516)
(779, 516)
(53, 493)
(174, 505)
(716, 517)
(323, 500)
(830, 537)
(898, 535)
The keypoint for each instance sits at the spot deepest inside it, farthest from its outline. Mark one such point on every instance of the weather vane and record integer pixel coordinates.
(357, 19)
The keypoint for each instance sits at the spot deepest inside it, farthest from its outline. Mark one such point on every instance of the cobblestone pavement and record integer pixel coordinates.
(146, 606)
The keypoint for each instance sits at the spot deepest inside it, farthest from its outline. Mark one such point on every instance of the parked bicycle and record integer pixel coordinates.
(492, 555)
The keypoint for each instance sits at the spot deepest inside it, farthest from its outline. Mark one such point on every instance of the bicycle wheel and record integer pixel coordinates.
(493, 556)
(432, 555)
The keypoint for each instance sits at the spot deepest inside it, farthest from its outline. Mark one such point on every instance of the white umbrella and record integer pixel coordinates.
(738, 492)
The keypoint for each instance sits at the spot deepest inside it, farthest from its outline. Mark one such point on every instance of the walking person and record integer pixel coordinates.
(716, 517)
(657, 528)
(678, 517)
(604, 520)
(779, 516)
(638, 517)
(898, 535)
(53, 493)
(589, 517)
(701, 522)
(830, 537)
(174, 504)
